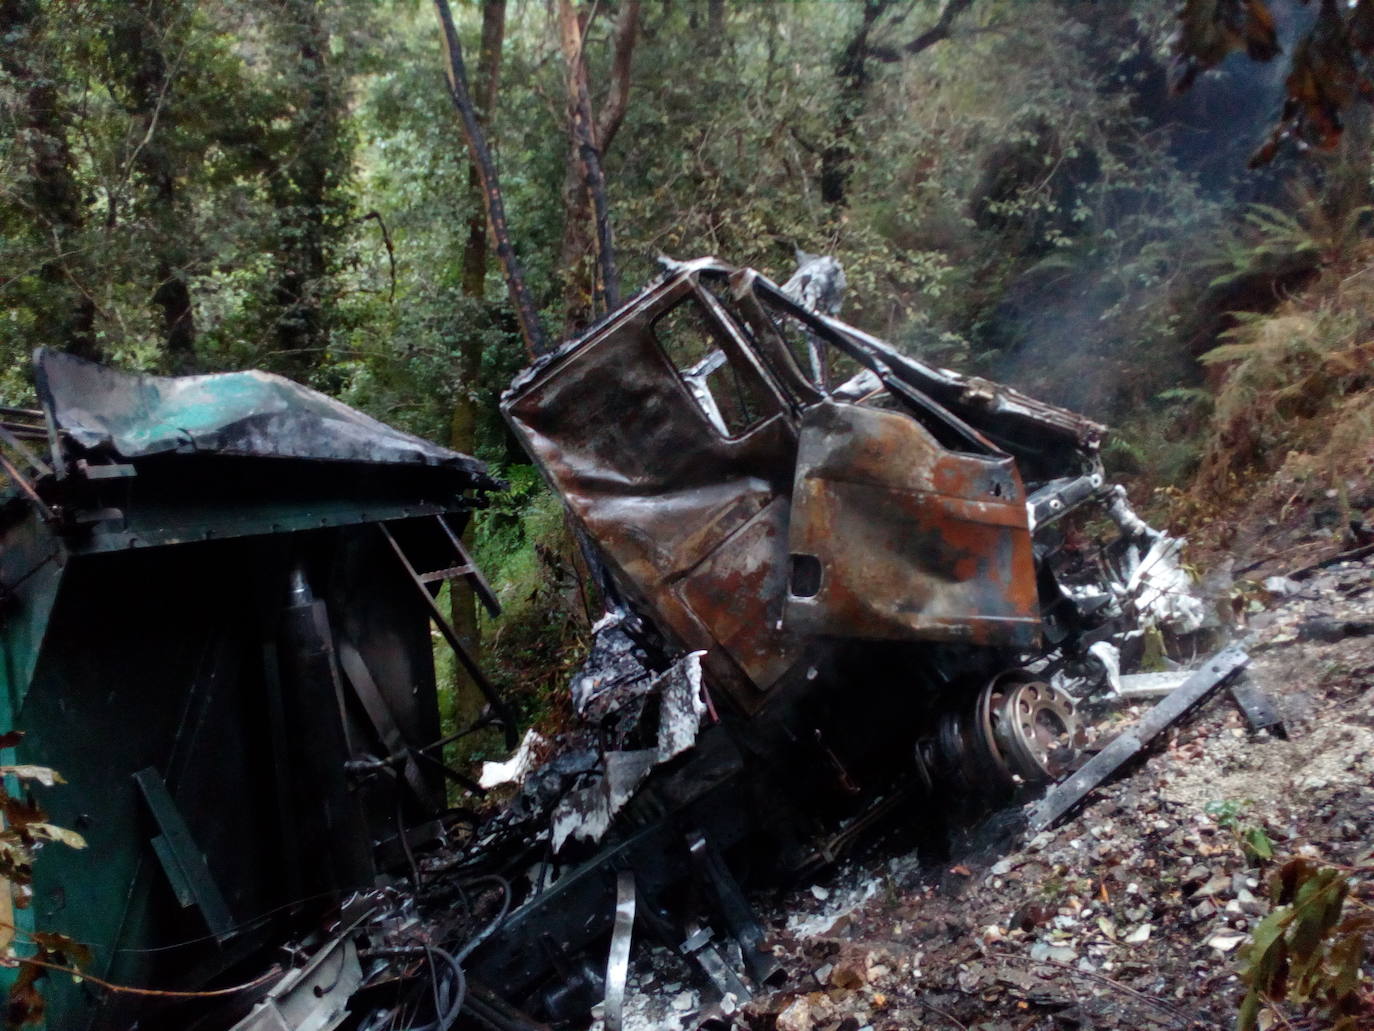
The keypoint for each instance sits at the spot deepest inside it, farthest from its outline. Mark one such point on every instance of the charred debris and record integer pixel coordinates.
(846, 593)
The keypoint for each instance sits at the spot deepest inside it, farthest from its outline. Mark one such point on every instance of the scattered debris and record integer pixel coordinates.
(1151, 685)
(514, 769)
(1129, 743)
(1150, 897)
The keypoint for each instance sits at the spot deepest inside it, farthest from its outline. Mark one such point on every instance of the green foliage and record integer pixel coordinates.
(200, 146)
(1187, 396)
(1252, 839)
(1308, 950)
(1297, 383)
(1265, 238)
(1225, 811)
(527, 550)
(525, 514)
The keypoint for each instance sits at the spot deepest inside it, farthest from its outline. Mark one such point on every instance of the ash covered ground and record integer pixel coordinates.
(1133, 912)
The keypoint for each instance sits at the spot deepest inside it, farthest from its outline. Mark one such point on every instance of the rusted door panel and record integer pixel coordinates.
(893, 536)
(653, 481)
(660, 489)
(739, 588)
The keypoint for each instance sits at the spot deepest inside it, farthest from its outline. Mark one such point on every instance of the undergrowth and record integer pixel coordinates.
(1308, 951)
(527, 550)
(1291, 417)
(1296, 383)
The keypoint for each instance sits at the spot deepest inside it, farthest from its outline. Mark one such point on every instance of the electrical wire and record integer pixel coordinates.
(448, 1002)
(450, 992)
(496, 921)
(125, 989)
(401, 830)
(245, 925)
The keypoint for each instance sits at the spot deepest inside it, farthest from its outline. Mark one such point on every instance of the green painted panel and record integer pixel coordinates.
(31, 565)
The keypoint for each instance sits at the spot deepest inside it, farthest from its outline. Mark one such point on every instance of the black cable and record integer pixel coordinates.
(447, 1013)
(496, 921)
(245, 925)
(446, 1010)
(438, 990)
(401, 831)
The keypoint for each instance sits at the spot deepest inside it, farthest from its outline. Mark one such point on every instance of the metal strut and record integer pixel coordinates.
(493, 697)
(618, 961)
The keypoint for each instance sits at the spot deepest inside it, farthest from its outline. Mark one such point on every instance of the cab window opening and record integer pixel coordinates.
(731, 397)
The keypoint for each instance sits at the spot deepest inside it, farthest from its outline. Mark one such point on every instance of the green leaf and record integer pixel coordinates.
(1265, 958)
(1259, 843)
(1307, 914)
(1248, 1017)
(1346, 954)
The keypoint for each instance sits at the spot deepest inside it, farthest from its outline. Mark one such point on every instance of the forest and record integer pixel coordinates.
(1020, 190)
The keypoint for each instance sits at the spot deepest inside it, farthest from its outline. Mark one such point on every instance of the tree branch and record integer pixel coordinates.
(390, 250)
(622, 56)
(937, 32)
(585, 149)
(489, 58)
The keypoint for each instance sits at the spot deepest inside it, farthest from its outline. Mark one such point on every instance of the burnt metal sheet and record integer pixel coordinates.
(753, 516)
(182, 860)
(254, 413)
(1259, 709)
(618, 962)
(313, 997)
(895, 536)
(1063, 797)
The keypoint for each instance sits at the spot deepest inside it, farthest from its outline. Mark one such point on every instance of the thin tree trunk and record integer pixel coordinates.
(715, 27)
(536, 343)
(587, 156)
(591, 278)
(851, 71)
(467, 699)
(307, 197)
(151, 103)
(576, 251)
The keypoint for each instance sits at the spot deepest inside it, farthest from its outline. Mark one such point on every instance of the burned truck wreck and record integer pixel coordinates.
(853, 560)
(886, 546)
(842, 590)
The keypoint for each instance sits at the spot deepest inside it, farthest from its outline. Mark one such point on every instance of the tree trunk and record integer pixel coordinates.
(852, 74)
(467, 699)
(530, 327)
(52, 190)
(587, 258)
(306, 194)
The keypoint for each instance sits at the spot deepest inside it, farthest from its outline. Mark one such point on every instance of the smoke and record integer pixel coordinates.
(1097, 325)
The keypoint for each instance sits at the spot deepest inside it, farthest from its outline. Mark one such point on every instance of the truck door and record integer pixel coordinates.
(907, 525)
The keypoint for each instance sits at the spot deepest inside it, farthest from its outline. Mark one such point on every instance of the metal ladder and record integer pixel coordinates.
(466, 569)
